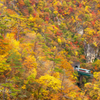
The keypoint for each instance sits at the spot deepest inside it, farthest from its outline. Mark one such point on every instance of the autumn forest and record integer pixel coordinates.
(40, 41)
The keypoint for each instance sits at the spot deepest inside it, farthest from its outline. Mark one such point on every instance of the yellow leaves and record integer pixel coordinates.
(54, 47)
(57, 3)
(96, 75)
(59, 40)
(16, 44)
(50, 81)
(88, 84)
(86, 9)
(76, 53)
(33, 72)
(1, 4)
(13, 42)
(95, 44)
(24, 87)
(10, 35)
(63, 24)
(45, 92)
(54, 27)
(3, 66)
(73, 19)
(82, 39)
(41, 57)
(72, 94)
(76, 17)
(39, 36)
(92, 90)
(89, 31)
(50, 27)
(43, 30)
(97, 65)
(55, 12)
(95, 87)
(97, 24)
(96, 1)
(31, 18)
(64, 3)
(83, 2)
(2, 0)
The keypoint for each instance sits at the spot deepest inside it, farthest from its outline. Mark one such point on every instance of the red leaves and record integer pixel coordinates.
(71, 9)
(34, 14)
(60, 11)
(80, 19)
(47, 18)
(80, 5)
(71, 43)
(93, 13)
(57, 26)
(93, 22)
(59, 34)
(20, 5)
(76, 42)
(33, 3)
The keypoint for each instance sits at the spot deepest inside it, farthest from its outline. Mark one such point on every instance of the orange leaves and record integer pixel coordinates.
(11, 11)
(50, 28)
(93, 22)
(30, 62)
(21, 2)
(83, 57)
(98, 5)
(4, 46)
(95, 68)
(64, 64)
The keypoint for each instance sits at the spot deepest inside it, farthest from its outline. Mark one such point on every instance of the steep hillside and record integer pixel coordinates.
(40, 40)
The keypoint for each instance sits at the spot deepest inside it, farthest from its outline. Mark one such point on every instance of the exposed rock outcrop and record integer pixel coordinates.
(91, 53)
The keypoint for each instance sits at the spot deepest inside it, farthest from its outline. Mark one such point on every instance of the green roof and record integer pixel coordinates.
(85, 74)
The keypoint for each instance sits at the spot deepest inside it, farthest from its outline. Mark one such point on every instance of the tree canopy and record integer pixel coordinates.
(39, 41)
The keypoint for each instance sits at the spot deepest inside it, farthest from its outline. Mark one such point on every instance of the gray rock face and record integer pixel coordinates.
(80, 30)
(90, 52)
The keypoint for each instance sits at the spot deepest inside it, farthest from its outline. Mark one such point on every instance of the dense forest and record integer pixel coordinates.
(40, 40)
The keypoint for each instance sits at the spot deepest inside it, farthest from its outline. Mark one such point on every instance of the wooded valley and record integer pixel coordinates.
(40, 43)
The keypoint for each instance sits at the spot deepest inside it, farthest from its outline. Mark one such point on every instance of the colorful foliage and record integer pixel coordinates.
(39, 40)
